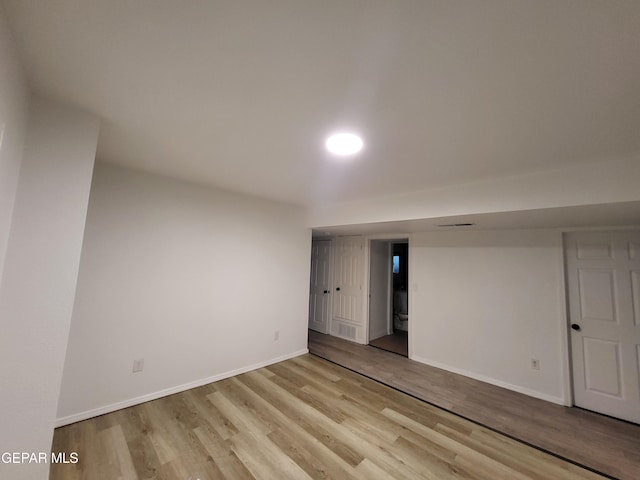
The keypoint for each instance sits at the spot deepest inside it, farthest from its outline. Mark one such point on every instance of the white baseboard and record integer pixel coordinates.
(77, 417)
(493, 381)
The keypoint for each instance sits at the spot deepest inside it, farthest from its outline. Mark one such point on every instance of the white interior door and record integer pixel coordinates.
(379, 289)
(603, 276)
(347, 320)
(320, 290)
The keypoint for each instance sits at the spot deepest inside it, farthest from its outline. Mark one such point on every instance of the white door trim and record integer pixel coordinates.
(565, 339)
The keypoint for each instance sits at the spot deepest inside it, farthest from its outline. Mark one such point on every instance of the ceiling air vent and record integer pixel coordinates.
(457, 225)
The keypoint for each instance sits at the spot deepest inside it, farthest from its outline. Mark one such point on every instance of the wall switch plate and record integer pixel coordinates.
(276, 335)
(138, 365)
(535, 364)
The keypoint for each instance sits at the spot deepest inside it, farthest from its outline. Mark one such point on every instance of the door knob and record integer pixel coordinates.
(338, 289)
(326, 291)
(576, 327)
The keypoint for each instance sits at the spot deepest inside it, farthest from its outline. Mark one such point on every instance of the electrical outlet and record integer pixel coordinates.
(138, 365)
(535, 364)
(276, 335)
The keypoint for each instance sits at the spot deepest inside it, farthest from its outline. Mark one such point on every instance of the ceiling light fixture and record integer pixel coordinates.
(344, 144)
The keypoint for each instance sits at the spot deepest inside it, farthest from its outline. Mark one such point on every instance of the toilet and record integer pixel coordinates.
(400, 311)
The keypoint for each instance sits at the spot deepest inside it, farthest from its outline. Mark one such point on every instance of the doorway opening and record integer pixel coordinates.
(389, 295)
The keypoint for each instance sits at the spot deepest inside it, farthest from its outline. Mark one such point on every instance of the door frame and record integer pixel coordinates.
(391, 238)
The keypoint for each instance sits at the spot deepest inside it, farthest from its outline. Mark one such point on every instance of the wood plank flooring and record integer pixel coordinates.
(601, 443)
(397, 342)
(302, 418)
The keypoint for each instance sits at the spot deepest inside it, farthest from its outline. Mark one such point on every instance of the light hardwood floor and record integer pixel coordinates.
(302, 418)
(601, 443)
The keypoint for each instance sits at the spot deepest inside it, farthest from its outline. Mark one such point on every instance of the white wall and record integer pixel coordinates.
(489, 301)
(40, 273)
(14, 98)
(194, 280)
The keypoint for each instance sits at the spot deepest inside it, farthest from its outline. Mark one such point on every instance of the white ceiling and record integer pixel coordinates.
(240, 94)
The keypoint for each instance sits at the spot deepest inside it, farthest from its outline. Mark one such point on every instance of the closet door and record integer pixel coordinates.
(320, 289)
(603, 277)
(347, 320)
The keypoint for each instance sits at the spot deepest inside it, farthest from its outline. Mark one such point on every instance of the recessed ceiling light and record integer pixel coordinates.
(344, 144)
